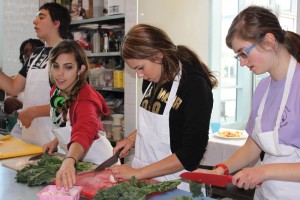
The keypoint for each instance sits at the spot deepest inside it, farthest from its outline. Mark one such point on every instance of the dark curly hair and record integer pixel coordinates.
(33, 42)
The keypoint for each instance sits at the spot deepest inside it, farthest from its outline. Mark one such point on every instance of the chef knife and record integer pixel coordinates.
(109, 162)
(209, 179)
(39, 156)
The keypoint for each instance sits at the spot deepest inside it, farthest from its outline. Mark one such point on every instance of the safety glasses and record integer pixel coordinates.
(244, 54)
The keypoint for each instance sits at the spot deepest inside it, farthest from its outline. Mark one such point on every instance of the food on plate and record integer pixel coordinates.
(135, 189)
(231, 133)
(45, 170)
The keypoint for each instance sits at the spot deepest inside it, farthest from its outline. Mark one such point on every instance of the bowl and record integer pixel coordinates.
(51, 193)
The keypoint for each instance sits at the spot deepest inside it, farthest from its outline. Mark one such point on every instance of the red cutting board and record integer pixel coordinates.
(92, 181)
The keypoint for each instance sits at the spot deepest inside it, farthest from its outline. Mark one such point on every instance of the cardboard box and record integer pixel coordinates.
(81, 9)
(98, 6)
(113, 7)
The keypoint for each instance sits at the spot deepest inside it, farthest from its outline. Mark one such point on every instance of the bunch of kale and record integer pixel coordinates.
(44, 172)
(137, 190)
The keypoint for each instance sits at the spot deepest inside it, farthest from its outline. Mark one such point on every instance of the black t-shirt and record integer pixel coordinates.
(40, 63)
(39, 59)
(189, 116)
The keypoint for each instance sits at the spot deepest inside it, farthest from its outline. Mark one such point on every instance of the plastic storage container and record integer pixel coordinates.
(51, 193)
(117, 132)
(107, 125)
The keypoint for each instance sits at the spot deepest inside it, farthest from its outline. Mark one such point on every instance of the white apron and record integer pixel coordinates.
(99, 152)
(37, 92)
(275, 152)
(153, 137)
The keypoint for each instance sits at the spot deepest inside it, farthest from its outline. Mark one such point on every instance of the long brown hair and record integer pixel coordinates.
(70, 47)
(145, 41)
(254, 22)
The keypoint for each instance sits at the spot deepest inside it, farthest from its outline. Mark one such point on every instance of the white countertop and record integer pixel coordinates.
(11, 190)
(219, 149)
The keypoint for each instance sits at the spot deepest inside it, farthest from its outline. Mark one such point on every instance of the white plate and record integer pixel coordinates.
(244, 136)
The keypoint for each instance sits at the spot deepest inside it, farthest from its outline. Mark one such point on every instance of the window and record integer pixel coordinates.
(232, 98)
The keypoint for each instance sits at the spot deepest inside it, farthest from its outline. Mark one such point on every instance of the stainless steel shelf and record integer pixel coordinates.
(103, 54)
(98, 19)
(101, 88)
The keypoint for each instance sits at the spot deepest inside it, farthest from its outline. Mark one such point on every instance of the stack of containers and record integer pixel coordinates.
(119, 78)
(117, 126)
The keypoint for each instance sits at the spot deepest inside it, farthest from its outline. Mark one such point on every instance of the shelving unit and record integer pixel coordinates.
(100, 88)
(88, 26)
(103, 54)
(106, 19)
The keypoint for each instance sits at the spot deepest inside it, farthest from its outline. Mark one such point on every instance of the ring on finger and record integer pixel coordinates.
(65, 174)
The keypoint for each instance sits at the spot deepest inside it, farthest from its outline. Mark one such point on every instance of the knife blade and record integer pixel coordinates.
(209, 179)
(39, 156)
(109, 162)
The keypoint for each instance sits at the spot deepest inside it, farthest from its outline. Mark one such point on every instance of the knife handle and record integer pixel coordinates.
(54, 150)
(119, 152)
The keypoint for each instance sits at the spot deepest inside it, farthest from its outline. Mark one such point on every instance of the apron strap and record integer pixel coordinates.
(288, 82)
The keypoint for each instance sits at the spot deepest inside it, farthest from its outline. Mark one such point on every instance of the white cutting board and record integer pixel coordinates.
(11, 163)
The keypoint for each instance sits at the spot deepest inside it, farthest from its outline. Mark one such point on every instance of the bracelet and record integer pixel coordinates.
(223, 166)
(71, 158)
(133, 139)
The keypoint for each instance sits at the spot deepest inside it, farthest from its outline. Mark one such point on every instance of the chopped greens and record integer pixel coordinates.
(45, 170)
(195, 189)
(137, 190)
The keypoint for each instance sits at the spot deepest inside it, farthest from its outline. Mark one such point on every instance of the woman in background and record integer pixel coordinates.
(27, 47)
(175, 112)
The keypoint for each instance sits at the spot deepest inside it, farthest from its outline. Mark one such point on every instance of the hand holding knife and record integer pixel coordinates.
(39, 156)
(109, 162)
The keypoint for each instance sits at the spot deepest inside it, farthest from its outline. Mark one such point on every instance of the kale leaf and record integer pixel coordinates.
(44, 172)
(137, 190)
(195, 189)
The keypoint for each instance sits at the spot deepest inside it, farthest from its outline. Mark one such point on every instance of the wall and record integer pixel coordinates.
(186, 22)
(298, 17)
(17, 26)
(130, 78)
